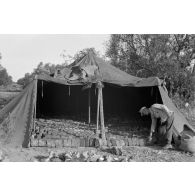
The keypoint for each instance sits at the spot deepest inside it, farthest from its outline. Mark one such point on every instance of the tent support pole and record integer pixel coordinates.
(89, 106)
(35, 105)
(98, 108)
(103, 135)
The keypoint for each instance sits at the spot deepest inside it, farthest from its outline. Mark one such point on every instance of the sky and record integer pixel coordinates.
(22, 53)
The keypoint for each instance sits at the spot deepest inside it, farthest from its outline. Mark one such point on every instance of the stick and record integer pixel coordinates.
(89, 106)
(102, 114)
(98, 107)
(35, 105)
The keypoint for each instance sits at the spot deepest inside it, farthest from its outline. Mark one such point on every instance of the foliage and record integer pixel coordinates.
(165, 56)
(5, 79)
(67, 58)
(47, 69)
(80, 54)
(25, 80)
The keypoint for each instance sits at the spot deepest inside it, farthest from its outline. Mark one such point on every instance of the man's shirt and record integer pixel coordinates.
(159, 111)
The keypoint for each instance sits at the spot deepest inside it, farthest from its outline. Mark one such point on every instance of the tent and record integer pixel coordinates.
(100, 90)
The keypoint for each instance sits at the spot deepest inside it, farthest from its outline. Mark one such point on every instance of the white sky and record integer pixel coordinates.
(22, 53)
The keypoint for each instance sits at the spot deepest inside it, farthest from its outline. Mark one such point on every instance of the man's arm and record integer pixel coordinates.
(153, 125)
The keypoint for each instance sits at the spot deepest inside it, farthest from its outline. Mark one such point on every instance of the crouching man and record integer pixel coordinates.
(162, 124)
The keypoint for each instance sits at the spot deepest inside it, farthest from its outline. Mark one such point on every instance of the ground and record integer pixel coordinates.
(134, 153)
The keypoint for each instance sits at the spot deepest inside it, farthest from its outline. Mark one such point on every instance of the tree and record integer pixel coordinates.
(165, 56)
(67, 58)
(46, 69)
(5, 79)
(25, 80)
(80, 54)
(49, 68)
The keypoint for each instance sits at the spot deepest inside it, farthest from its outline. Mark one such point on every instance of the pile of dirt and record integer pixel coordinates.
(56, 128)
(71, 133)
(81, 154)
(62, 133)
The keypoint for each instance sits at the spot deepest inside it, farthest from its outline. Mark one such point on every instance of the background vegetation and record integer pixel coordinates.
(170, 57)
(5, 79)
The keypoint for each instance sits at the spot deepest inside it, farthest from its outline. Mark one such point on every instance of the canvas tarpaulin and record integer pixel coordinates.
(179, 119)
(16, 117)
(145, 82)
(105, 72)
(18, 114)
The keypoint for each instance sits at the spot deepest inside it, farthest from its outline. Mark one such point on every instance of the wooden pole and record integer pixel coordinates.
(35, 105)
(102, 116)
(89, 106)
(98, 108)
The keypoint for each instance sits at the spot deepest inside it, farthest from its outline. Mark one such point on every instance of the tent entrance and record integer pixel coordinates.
(62, 113)
(72, 102)
(65, 101)
(121, 104)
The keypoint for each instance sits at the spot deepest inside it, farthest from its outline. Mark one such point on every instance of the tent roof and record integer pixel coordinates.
(17, 116)
(106, 73)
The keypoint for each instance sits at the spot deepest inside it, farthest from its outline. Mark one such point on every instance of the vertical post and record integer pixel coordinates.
(98, 108)
(77, 108)
(89, 106)
(102, 116)
(35, 105)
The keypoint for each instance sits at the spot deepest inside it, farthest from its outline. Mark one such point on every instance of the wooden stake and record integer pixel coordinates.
(102, 115)
(35, 105)
(89, 106)
(98, 108)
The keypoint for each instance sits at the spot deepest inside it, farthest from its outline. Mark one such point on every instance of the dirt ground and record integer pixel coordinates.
(134, 154)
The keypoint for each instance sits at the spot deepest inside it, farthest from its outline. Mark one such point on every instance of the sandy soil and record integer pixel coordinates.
(135, 154)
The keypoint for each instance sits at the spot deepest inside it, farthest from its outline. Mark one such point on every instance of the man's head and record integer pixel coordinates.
(144, 111)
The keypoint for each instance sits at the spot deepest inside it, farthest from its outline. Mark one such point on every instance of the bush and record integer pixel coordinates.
(25, 80)
(5, 79)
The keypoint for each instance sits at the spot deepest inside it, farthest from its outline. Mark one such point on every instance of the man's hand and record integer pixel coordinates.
(150, 139)
(151, 133)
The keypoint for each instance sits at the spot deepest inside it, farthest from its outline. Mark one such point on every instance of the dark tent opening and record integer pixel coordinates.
(72, 102)
(123, 103)
(64, 101)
